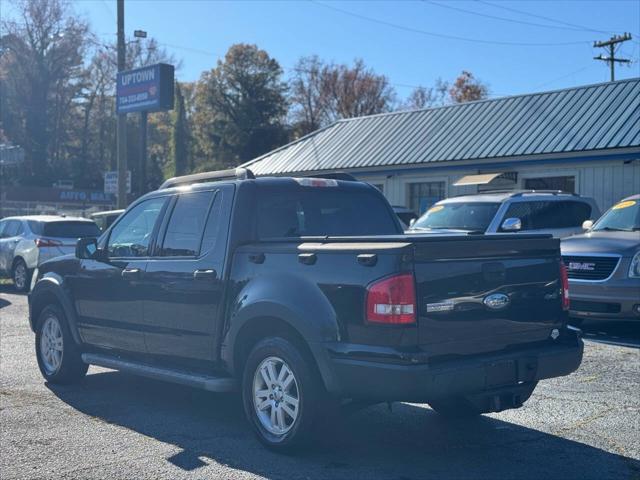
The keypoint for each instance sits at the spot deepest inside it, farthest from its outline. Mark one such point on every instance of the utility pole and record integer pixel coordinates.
(611, 59)
(122, 117)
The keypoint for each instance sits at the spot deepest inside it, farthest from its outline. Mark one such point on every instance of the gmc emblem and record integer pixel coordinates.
(582, 266)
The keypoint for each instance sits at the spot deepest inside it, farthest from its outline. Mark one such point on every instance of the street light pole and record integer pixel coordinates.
(122, 117)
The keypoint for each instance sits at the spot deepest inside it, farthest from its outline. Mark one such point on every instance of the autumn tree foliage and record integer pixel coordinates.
(467, 88)
(57, 102)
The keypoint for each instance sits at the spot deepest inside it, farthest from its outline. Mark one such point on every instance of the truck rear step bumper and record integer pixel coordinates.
(382, 381)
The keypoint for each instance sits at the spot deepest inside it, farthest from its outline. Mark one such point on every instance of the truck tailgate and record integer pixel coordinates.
(486, 293)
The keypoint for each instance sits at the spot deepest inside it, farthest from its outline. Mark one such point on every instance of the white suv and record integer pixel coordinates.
(532, 211)
(26, 242)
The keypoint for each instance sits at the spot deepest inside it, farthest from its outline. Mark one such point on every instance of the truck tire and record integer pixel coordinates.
(21, 276)
(281, 394)
(58, 355)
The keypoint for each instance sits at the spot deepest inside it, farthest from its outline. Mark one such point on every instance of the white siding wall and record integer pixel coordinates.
(605, 182)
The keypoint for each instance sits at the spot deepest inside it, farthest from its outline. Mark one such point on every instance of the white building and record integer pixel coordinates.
(584, 140)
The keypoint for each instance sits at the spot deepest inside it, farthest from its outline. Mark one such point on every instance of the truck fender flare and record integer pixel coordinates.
(292, 299)
(53, 284)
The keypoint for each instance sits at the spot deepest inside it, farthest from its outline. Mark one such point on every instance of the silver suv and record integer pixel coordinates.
(26, 242)
(533, 211)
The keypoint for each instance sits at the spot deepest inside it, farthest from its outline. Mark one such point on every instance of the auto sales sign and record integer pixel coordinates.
(145, 89)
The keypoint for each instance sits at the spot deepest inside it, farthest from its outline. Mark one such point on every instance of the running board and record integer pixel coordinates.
(205, 382)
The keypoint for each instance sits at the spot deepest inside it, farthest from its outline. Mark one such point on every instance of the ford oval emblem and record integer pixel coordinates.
(496, 301)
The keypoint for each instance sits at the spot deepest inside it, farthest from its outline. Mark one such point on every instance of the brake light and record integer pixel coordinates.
(564, 289)
(392, 300)
(47, 242)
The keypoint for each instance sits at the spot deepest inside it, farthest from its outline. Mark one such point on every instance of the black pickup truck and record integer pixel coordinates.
(302, 293)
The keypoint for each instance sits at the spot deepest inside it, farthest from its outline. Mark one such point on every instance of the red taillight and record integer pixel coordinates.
(564, 282)
(47, 242)
(392, 300)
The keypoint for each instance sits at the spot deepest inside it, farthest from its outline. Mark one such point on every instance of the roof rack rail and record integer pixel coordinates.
(230, 174)
(520, 193)
(546, 192)
(334, 176)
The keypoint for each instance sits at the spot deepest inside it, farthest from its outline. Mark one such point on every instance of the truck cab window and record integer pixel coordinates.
(131, 236)
(186, 225)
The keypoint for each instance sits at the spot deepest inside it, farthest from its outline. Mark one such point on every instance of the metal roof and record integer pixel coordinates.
(582, 119)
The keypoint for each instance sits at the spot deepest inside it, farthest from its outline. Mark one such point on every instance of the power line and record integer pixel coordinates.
(542, 17)
(504, 19)
(442, 35)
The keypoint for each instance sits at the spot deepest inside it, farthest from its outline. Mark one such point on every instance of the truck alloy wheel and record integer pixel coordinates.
(275, 395)
(51, 345)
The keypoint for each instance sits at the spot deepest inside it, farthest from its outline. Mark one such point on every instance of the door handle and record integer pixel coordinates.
(307, 258)
(131, 272)
(209, 274)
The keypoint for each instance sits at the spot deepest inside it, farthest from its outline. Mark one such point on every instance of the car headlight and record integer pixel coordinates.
(634, 269)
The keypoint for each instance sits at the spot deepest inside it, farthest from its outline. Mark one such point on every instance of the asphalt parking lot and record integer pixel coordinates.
(113, 425)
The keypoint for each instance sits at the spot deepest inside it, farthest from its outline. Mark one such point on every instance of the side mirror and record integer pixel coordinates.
(412, 222)
(86, 248)
(511, 225)
(587, 224)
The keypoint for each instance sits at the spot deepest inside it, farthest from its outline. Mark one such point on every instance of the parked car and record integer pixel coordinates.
(406, 215)
(105, 219)
(556, 213)
(26, 242)
(604, 265)
(302, 292)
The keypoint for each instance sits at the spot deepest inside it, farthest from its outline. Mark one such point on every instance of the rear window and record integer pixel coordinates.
(316, 211)
(70, 229)
(542, 215)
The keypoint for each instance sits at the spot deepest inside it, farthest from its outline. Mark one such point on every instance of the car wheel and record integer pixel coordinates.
(58, 355)
(281, 394)
(21, 276)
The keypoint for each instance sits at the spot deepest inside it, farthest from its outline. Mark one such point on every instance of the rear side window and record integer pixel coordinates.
(12, 229)
(186, 225)
(70, 229)
(543, 215)
(315, 211)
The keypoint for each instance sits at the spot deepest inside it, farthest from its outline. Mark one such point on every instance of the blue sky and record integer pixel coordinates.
(412, 42)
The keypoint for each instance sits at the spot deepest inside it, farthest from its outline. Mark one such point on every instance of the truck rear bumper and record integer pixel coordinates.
(383, 381)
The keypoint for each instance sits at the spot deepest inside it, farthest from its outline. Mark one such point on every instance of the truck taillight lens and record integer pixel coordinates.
(47, 242)
(564, 281)
(392, 300)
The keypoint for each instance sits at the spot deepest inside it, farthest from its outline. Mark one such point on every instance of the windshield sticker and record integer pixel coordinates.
(627, 204)
(435, 209)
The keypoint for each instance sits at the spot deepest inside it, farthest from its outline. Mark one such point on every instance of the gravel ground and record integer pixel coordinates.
(115, 426)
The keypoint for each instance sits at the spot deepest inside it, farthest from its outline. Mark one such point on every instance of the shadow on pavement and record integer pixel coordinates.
(9, 288)
(410, 442)
(625, 334)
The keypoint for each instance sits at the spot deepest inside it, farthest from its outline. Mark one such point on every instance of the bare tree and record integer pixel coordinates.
(322, 93)
(426, 97)
(308, 109)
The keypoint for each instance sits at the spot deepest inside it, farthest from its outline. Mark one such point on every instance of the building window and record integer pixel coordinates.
(424, 194)
(566, 184)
